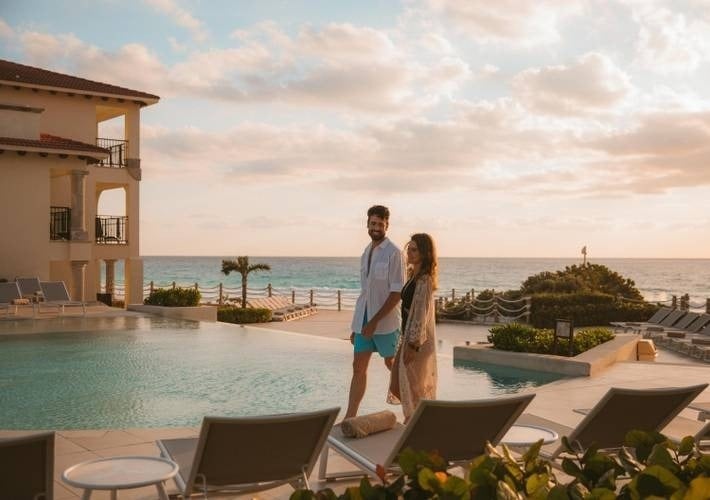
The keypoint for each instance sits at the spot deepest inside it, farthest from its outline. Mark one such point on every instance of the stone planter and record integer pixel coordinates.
(197, 313)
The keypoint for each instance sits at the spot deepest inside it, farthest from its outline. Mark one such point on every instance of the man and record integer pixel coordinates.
(376, 321)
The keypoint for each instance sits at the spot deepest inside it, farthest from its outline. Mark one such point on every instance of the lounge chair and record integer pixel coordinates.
(703, 409)
(56, 294)
(29, 287)
(281, 308)
(659, 315)
(618, 412)
(9, 292)
(244, 454)
(27, 467)
(456, 430)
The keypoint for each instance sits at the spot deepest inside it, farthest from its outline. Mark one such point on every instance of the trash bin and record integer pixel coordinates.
(105, 298)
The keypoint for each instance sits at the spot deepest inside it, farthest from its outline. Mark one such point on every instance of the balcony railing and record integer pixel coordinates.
(111, 230)
(117, 150)
(59, 223)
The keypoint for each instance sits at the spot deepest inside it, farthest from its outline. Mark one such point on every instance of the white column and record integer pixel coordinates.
(133, 271)
(78, 224)
(78, 268)
(110, 275)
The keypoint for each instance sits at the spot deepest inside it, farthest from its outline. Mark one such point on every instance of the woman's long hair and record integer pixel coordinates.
(427, 251)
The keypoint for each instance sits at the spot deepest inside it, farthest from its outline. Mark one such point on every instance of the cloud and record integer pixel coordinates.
(181, 17)
(668, 42)
(511, 22)
(591, 84)
(6, 30)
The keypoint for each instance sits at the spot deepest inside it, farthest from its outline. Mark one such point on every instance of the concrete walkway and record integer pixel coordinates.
(555, 401)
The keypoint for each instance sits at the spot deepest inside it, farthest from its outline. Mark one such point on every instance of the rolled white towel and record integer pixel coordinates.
(364, 425)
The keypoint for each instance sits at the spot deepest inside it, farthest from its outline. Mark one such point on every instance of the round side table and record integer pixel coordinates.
(120, 473)
(526, 435)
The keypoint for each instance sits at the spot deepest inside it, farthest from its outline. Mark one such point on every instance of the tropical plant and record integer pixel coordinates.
(242, 266)
(173, 297)
(586, 278)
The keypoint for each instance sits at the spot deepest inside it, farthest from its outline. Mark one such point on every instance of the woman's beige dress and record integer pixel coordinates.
(418, 379)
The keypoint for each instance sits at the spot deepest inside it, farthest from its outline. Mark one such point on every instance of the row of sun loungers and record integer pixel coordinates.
(31, 292)
(281, 308)
(258, 453)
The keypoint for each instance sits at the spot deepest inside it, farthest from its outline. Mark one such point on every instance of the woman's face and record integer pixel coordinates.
(413, 255)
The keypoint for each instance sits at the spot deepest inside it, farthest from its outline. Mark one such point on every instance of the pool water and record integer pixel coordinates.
(155, 372)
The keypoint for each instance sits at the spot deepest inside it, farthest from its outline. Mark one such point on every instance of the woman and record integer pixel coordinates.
(414, 370)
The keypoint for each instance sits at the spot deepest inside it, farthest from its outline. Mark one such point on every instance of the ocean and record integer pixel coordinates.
(657, 279)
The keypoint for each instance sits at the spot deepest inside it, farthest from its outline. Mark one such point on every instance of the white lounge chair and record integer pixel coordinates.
(56, 294)
(27, 467)
(456, 430)
(618, 412)
(245, 454)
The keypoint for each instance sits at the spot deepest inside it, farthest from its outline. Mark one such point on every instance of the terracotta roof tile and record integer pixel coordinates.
(13, 72)
(47, 141)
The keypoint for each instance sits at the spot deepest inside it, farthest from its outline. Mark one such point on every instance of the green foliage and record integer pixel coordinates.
(241, 315)
(588, 278)
(649, 466)
(173, 297)
(523, 338)
(241, 265)
(585, 309)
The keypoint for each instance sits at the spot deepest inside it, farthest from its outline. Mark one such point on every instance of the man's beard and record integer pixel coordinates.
(376, 235)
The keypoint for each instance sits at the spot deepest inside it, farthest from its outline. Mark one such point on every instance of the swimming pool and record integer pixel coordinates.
(156, 372)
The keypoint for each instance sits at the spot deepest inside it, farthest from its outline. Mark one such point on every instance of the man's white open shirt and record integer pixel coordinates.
(386, 276)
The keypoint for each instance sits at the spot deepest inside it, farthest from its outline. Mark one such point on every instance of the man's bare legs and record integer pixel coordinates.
(358, 384)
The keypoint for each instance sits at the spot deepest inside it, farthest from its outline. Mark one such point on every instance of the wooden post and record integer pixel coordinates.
(268, 289)
(707, 306)
(340, 302)
(173, 285)
(311, 296)
(221, 296)
(528, 309)
(152, 286)
(685, 302)
(453, 294)
(293, 296)
(674, 301)
(197, 287)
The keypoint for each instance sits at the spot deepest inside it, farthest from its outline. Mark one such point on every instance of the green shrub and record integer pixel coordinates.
(588, 278)
(173, 297)
(241, 315)
(586, 309)
(648, 466)
(523, 338)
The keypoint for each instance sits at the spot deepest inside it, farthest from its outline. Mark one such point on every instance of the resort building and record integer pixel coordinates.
(54, 168)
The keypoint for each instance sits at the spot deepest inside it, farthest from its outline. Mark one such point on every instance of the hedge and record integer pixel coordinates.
(523, 338)
(173, 297)
(241, 315)
(586, 309)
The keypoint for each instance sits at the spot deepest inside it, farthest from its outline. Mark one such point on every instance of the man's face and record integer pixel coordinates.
(376, 227)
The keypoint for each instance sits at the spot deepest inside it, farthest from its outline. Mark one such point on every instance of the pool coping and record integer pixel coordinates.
(589, 363)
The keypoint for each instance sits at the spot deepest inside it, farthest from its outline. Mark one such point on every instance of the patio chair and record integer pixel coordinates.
(28, 287)
(242, 454)
(618, 412)
(56, 294)
(456, 430)
(9, 291)
(659, 315)
(27, 467)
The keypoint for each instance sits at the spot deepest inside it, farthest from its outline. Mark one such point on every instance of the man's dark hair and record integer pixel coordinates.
(380, 211)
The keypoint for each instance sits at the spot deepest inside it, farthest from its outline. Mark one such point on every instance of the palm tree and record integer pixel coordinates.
(241, 265)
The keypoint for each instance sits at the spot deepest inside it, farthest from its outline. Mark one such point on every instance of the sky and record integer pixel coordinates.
(504, 129)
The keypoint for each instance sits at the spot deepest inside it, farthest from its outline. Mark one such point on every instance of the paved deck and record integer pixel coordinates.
(555, 401)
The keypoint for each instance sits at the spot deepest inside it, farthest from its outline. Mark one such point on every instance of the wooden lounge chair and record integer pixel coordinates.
(56, 294)
(456, 430)
(27, 467)
(238, 455)
(618, 412)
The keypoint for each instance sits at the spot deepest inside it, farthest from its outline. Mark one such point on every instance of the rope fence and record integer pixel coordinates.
(449, 305)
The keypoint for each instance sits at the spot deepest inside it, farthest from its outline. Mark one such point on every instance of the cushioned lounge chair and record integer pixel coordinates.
(618, 412)
(456, 430)
(281, 308)
(244, 454)
(29, 287)
(653, 320)
(27, 467)
(9, 292)
(56, 294)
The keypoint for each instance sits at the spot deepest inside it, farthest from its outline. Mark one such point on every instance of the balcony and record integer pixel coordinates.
(111, 230)
(117, 152)
(60, 223)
